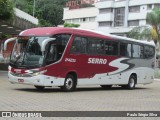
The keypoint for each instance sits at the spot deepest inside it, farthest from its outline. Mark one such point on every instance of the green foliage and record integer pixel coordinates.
(71, 25)
(6, 10)
(24, 5)
(49, 12)
(140, 33)
(148, 33)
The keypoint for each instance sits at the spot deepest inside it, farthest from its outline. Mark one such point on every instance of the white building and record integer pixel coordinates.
(86, 17)
(120, 16)
(112, 16)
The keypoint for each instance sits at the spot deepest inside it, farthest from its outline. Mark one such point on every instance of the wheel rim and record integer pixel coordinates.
(69, 83)
(132, 82)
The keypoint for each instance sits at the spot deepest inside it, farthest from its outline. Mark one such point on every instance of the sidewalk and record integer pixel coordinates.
(157, 79)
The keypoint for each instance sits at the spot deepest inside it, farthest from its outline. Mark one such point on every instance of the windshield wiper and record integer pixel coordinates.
(17, 58)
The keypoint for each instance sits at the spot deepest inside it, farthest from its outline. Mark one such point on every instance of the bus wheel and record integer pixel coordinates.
(69, 83)
(39, 87)
(131, 83)
(106, 86)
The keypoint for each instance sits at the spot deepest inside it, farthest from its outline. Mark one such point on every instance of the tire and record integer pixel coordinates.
(39, 87)
(106, 86)
(131, 83)
(69, 83)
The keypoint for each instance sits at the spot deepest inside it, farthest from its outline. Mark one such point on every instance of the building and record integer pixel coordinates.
(111, 16)
(75, 4)
(120, 16)
(86, 17)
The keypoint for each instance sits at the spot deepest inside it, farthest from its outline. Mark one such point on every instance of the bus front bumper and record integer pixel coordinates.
(39, 80)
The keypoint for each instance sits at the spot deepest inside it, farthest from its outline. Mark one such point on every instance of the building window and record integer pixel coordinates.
(133, 23)
(156, 5)
(68, 21)
(105, 10)
(75, 20)
(92, 19)
(134, 9)
(104, 24)
(84, 19)
(149, 7)
(119, 17)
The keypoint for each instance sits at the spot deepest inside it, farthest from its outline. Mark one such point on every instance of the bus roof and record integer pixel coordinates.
(49, 31)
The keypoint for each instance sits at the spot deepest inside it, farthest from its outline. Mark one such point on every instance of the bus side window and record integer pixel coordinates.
(125, 49)
(111, 48)
(95, 46)
(148, 52)
(138, 51)
(78, 45)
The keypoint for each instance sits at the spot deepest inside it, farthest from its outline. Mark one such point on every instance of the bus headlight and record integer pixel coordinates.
(35, 72)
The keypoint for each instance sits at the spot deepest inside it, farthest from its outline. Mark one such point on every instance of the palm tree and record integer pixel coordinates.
(150, 31)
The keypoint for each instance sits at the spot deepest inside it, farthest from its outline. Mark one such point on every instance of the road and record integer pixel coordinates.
(16, 97)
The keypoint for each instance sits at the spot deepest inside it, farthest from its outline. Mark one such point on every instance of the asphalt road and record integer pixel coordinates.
(16, 97)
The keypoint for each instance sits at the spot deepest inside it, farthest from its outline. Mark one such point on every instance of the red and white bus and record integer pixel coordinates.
(67, 57)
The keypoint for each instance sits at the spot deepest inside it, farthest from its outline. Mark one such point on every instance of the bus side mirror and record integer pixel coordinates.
(44, 43)
(7, 41)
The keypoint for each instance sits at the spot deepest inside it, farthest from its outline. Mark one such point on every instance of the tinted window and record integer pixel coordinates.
(137, 51)
(111, 48)
(95, 46)
(125, 49)
(148, 52)
(79, 45)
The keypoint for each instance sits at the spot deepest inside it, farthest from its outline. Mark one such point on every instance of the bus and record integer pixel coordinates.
(70, 57)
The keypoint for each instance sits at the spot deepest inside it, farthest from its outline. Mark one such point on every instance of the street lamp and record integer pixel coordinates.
(34, 7)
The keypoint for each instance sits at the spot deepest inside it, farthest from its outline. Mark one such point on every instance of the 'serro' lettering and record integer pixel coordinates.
(97, 61)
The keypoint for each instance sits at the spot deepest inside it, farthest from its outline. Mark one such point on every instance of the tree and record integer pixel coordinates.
(49, 12)
(151, 32)
(71, 25)
(6, 10)
(25, 5)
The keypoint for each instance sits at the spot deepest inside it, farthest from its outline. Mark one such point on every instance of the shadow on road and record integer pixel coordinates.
(48, 90)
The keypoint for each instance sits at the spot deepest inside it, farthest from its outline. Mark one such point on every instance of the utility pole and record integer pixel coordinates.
(34, 4)
(126, 14)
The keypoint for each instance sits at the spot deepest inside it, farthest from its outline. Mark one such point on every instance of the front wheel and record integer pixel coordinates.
(69, 83)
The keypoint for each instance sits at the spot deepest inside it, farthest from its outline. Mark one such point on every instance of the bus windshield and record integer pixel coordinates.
(27, 51)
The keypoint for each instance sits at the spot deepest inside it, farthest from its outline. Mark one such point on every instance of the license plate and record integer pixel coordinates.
(20, 80)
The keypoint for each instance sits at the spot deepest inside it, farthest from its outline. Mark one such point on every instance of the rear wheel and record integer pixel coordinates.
(69, 83)
(131, 83)
(106, 86)
(39, 87)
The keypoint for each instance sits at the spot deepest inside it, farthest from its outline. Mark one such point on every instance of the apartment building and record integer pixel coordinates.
(86, 17)
(120, 16)
(111, 16)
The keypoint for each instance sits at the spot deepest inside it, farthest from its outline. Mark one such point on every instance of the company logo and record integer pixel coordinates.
(6, 114)
(97, 61)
